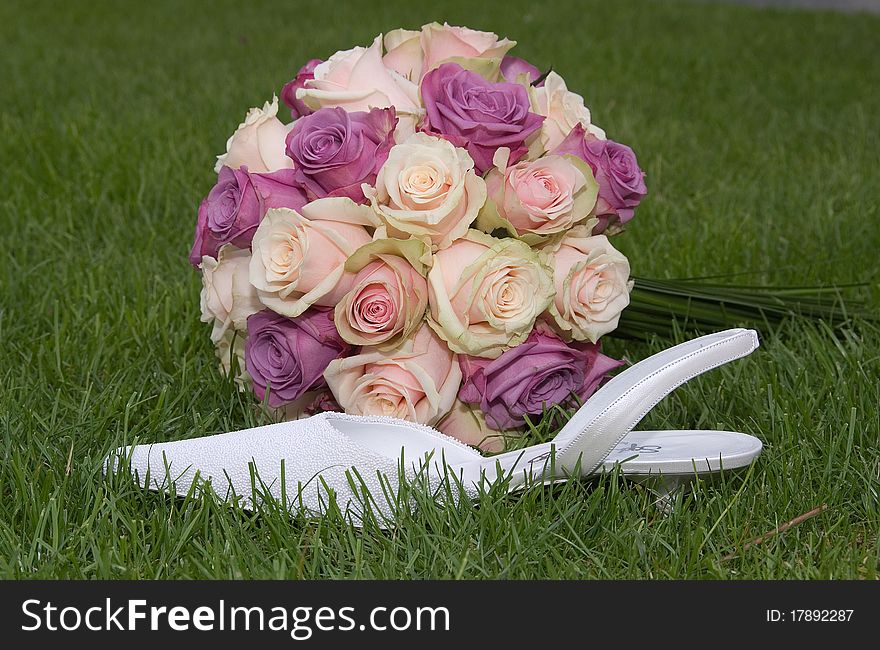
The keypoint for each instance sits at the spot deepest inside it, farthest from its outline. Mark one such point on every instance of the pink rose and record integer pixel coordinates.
(444, 43)
(299, 257)
(357, 80)
(258, 143)
(389, 293)
(416, 381)
(538, 197)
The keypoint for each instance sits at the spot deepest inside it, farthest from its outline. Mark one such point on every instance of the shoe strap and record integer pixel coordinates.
(620, 405)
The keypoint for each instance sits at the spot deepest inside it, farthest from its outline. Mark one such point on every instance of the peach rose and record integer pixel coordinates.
(227, 297)
(417, 381)
(299, 257)
(538, 198)
(563, 109)
(357, 80)
(427, 189)
(485, 293)
(258, 143)
(592, 283)
(472, 49)
(389, 293)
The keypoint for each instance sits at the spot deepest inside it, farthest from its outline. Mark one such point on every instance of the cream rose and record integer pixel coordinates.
(417, 381)
(231, 345)
(562, 110)
(534, 199)
(358, 80)
(258, 143)
(403, 53)
(592, 283)
(470, 48)
(389, 293)
(227, 296)
(485, 293)
(299, 257)
(427, 189)
(466, 423)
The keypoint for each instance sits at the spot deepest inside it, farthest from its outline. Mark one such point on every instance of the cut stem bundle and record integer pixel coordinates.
(666, 307)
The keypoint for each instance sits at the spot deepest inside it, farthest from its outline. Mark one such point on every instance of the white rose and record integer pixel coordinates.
(427, 189)
(592, 283)
(259, 142)
(227, 297)
(563, 109)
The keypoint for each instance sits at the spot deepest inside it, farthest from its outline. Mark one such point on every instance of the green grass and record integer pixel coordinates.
(758, 131)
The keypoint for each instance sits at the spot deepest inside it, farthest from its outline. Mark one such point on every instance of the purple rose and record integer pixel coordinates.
(539, 373)
(324, 402)
(288, 93)
(476, 114)
(233, 208)
(278, 190)
(289, 356)
(513, 66)
(334, 151)
(621, 181)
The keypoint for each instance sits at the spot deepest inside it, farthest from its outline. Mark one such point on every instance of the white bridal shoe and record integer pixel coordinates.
(298, 463)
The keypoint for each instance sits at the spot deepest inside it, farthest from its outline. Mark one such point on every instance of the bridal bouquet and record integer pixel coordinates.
(427, 238)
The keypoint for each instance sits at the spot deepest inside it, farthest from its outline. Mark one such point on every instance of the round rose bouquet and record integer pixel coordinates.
(427, 238)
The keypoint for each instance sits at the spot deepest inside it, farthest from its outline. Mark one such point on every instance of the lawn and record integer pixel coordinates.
(759, 133)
